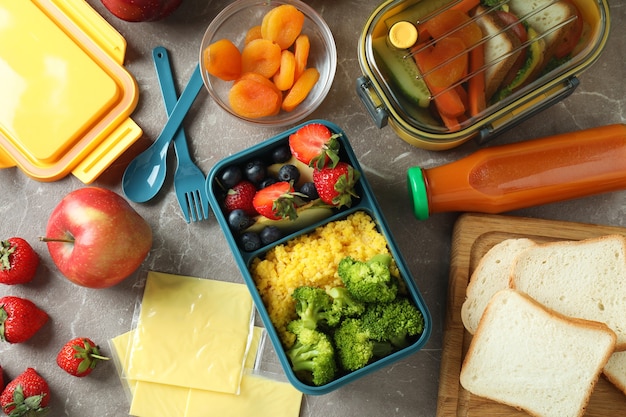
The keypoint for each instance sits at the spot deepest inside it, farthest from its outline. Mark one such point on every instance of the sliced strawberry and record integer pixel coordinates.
(315, 145)
(335, 185)
(240, 197)
(277, 201)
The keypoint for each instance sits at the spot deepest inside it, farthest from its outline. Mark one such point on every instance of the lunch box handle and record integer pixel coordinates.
(537, 104)
(372, 103)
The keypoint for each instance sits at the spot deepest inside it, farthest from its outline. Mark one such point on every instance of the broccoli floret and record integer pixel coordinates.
(371, 281)
(312, 355)
(355, 345)
(394, 321)
(344, 305)
(313, 306)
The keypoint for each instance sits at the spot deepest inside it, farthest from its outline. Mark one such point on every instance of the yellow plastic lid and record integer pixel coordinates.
(66, 98)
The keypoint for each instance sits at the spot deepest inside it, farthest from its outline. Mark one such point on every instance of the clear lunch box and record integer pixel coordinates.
(404, 85)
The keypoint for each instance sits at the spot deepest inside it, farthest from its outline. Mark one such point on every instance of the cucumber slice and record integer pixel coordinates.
(307, 215)
(403, 72)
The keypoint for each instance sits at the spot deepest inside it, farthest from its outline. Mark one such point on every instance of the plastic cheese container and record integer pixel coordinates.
(365, 204)
(66, 98)
(443, 72)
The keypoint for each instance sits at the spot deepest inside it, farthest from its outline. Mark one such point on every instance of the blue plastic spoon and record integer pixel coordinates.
(145, 174)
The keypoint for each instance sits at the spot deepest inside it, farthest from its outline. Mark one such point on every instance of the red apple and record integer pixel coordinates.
(96, 238)
(141, 10)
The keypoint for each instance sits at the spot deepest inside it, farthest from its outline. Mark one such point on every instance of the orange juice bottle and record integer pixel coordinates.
(509, 177)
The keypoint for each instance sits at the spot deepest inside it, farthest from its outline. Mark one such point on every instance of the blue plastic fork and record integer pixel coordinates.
(189, 180)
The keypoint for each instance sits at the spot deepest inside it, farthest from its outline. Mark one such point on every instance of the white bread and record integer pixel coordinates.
(490, 276)
(531, 358)
(546, 19)
(615, 370)
(584, 279)
(497, 46)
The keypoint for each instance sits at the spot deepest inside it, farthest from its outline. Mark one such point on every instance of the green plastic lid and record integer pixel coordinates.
(417, 191)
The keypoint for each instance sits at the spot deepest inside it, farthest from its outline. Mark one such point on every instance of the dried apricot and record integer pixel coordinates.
(285, 76)
(301, 89)
(261, 56)
(301, 49)
(282, 25)
(253, 99)
(253, 33)
(222, 59)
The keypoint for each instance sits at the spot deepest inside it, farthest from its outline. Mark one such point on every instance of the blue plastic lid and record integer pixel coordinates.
(417, 191)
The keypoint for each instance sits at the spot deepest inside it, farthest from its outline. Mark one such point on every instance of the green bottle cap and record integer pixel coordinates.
(417, 191)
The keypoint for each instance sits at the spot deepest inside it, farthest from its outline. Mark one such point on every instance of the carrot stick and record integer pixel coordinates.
(476, 84)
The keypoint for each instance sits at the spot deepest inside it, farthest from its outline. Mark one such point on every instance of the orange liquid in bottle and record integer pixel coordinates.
(509, 177)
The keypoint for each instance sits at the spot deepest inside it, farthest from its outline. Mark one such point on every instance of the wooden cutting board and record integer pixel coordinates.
(473, 236)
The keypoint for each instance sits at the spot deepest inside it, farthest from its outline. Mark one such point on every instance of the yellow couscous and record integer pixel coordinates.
(312, 260)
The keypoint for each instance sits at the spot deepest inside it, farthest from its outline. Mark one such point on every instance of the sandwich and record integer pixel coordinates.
(529, 37)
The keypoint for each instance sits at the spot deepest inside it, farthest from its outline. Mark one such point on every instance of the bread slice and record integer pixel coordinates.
(501, 50)
(584, 279)
(490, 276)
(615, 370)
(548, 16)
(534, 359)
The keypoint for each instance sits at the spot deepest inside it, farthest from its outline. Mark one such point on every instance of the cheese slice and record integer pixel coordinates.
(191, 333)
(259, 396)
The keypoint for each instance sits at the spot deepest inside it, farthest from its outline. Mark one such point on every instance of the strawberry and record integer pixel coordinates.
(315, 145)
(277, 201)
(18, 261)
(79, 356)
(27, 395)
(19, 319)
(240, 197)
(335, 185)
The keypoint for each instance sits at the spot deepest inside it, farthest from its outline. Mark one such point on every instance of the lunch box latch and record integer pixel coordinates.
(371, 101)
(536, 103)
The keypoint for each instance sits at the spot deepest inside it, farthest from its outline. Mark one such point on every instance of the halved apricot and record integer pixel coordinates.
(301, 89)
(285, 76)
(222, 59)
(253, 99)
(261, 56)
(282, 25)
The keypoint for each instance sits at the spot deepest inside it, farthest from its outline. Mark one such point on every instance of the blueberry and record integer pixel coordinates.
(230, 176)
(250, 241)
(281, 154)
(267, 182)
(255, 171)
(238, 220)
(288, 173)
(308, 189)
(270, 234)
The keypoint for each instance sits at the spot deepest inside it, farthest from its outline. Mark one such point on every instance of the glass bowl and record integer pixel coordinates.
(233, 23)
